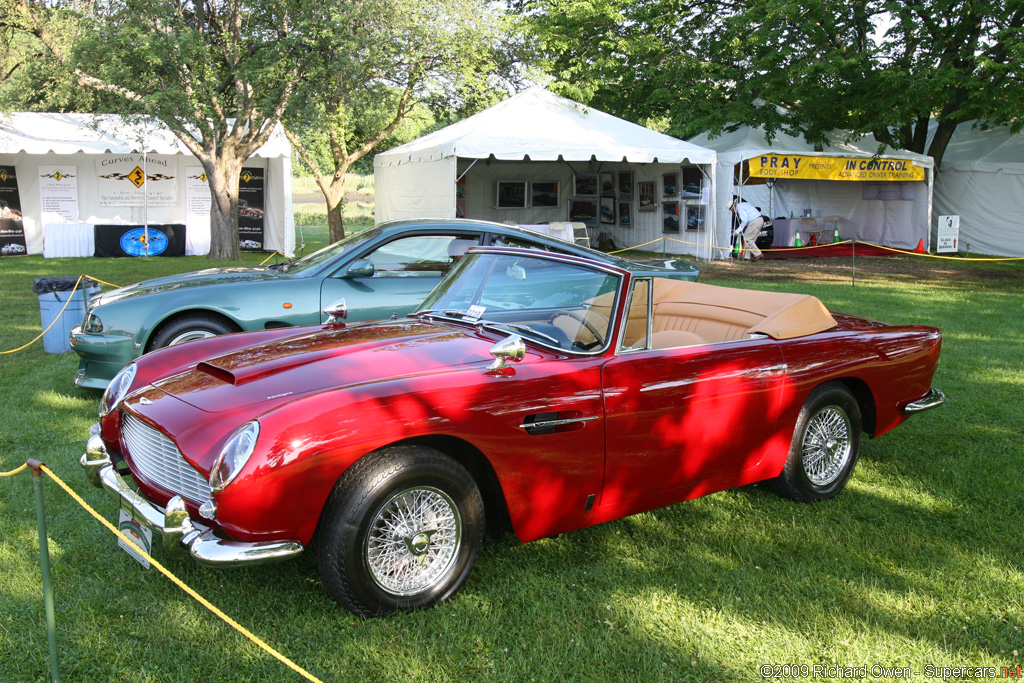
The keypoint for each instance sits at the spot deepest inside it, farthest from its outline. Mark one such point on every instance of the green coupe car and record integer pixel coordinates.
(381, 272)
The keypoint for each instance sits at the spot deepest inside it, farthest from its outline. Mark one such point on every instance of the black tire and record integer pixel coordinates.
(372, 568)
(188, 328)
(825, 446)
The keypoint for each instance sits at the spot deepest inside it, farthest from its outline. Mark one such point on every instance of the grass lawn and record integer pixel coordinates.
(918, 563)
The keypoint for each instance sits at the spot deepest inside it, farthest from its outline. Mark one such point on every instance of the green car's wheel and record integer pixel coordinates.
(189, 328)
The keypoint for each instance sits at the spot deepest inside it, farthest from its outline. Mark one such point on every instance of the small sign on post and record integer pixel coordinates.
(949, 235)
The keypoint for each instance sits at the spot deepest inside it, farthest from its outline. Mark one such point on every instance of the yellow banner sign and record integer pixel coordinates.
(789, 166)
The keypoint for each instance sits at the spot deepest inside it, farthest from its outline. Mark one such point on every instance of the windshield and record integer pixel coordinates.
(328, 253)
(550, 302)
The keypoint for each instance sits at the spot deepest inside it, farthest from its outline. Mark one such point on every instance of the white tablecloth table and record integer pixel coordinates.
(562, 231)
(64, 240)
(786, 229)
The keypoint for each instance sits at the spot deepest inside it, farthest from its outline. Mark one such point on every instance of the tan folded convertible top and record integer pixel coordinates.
(715, 312)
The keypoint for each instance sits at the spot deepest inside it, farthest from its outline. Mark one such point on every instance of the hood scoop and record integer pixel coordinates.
(240, 367)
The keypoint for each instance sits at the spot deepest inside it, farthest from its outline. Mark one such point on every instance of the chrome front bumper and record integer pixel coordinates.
(934, 399)
(179, 535)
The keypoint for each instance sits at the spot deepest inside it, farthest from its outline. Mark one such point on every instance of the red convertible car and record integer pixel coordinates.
(532, 391)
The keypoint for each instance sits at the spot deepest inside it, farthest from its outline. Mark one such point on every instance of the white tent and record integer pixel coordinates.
(982, 181)
(536, 143)
(33, 143)
(867, 192)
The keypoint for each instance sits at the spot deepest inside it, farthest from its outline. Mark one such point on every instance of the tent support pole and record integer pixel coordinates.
(467, 170)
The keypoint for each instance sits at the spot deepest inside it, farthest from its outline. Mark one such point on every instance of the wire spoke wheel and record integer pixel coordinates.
(824, 447)
(413, 540)
(827, 446)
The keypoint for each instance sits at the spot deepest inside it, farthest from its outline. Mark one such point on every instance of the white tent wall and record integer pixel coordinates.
(424, 189)
(31, 140)
(989, 205)
(535, 136)
(481, 200)
(982, 181)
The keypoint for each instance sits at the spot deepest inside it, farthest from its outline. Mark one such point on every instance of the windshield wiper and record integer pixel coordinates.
(530, 330)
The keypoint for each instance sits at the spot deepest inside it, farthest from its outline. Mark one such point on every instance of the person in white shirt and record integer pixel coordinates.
(751, 222)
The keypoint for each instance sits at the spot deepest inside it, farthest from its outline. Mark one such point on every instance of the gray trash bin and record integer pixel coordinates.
(54, 293)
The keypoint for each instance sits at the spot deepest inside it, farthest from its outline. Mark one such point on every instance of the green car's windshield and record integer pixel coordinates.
(328, 253)
(539, 297)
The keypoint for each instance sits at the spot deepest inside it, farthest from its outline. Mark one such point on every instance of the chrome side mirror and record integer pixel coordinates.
(336, 311)
(510, 349)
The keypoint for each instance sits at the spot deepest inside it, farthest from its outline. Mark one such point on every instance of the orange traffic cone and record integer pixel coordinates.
(919, 249)
(814, 240)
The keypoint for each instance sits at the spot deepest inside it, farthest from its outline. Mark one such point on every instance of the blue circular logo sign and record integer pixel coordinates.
(134, 242)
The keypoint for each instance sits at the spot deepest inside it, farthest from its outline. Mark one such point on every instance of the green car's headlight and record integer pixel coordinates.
(117, 389)
(92, 324)
(234, 455)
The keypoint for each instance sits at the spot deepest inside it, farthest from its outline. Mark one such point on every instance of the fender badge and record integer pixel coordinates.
(145, 401)
(287, 393)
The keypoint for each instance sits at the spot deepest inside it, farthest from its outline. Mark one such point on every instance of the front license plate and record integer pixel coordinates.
(139, 533)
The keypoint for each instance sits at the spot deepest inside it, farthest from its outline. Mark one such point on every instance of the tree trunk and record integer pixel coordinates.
(335, 196)
(943, 134)
(222, 174)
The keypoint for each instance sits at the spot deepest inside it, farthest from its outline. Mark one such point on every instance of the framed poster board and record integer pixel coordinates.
(608, 210)
(625, 184)
(511, 194)
(645, 195)
(543, 195)
(692, 182)
(695, 217)
(607, 184)
(626, 214)
(670, 185)
(583, 211)
(460, 197)
(585, 185)
(670, 216)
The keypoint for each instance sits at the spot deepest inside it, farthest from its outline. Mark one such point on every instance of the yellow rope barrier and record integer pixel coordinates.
(905, 252)
(178, 582)
(102, 282)
(57, 317)
(23, 467)
(276, 253)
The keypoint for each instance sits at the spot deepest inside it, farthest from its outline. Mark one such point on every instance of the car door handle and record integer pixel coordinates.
(549, 423)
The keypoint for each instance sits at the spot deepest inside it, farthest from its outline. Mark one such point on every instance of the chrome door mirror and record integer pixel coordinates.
(510, 349)
(336, 311)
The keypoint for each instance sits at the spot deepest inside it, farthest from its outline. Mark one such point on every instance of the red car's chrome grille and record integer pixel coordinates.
(157, 459)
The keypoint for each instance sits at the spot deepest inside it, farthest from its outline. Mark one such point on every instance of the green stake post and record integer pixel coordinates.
(44, 563)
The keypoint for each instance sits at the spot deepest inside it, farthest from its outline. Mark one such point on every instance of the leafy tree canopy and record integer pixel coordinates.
(879, 67)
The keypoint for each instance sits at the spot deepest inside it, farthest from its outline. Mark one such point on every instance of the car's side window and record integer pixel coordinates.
(509, 241)
(420, 255)
(636, 326)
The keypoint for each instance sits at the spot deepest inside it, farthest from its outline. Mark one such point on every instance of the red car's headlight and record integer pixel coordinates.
(234, 455)
(117, 389)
